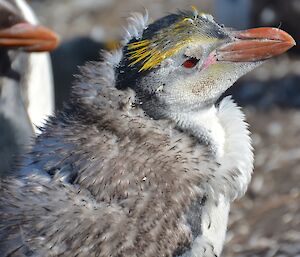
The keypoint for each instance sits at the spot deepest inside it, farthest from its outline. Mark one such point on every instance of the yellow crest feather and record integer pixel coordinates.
(166, 43)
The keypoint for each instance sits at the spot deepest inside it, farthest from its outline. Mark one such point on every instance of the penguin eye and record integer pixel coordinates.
(190, 63)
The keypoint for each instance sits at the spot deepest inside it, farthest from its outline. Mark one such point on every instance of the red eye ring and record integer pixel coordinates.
(190, 63)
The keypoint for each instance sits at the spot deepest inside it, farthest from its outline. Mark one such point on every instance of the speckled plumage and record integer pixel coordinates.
(105, 179)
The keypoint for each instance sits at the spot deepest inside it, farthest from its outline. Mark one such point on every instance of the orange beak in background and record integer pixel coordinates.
(29, 38)
(255, 45)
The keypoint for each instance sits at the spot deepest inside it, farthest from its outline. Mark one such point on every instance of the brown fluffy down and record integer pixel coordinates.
(104, 180)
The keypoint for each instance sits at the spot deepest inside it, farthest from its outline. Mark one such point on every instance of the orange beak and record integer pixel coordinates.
(255, 45)
(29, 38)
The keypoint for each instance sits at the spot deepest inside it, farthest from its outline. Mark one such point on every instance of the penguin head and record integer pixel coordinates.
(183, 62)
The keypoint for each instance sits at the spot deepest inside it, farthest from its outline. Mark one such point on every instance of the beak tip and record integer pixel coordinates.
(257, 44)
(293, 43)
(285, 37)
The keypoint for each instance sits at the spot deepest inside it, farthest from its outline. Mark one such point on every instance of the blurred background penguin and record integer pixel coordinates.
(26, 84)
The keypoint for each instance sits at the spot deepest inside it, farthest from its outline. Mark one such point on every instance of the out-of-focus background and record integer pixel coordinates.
(266, 222)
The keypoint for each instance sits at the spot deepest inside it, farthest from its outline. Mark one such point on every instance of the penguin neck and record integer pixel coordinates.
(224, 131)
(206, 126)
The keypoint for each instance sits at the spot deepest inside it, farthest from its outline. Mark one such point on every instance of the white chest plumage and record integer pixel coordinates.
(224, 130)
(224, 127)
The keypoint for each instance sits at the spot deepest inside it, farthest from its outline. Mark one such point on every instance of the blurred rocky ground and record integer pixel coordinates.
(265, 223)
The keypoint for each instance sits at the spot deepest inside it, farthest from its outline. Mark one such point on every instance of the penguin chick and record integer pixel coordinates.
(145, 159)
